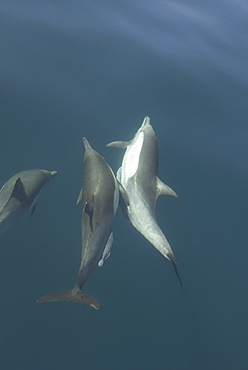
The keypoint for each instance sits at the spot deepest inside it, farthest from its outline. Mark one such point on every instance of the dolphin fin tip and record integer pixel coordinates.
(173, 261)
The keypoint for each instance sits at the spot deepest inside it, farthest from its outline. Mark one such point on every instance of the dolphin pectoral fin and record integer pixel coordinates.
(164, 189)
(74, 295)
(121, 187)
(79, 197)
(123, 206)
(118, 144)
(89, 209)
(173, 261)
(19, 192)
(118, 174)
(123, 193)
(123, 198)
(124, 202)
(106, 251)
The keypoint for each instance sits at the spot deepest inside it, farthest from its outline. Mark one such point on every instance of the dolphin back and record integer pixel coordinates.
(75, 295)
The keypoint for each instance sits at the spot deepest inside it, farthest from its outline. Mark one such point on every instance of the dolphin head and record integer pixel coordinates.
(145, 129)
(87, 145)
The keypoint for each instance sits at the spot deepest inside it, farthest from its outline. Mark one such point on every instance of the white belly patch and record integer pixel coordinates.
(131, 158)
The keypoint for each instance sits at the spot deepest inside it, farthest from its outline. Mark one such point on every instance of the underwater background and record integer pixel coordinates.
(96, 68)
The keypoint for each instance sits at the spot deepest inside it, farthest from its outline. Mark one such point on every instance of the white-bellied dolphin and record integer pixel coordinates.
(100, 197)
(141, 187)
(20, 193)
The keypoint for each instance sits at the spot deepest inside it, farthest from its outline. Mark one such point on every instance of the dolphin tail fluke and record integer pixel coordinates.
(176, 271)
(173, 261)
(74, 295)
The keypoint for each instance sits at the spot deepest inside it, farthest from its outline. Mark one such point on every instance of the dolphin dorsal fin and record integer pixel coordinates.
(119, 144)
(89, 209)
(19, 192)
(164, 189)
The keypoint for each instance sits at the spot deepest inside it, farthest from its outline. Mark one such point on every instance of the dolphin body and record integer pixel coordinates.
(140, 187)
(20, 193)
(100, 198)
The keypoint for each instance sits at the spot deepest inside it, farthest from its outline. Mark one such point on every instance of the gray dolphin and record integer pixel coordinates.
(20, 193)
(100, 197)
(140, 186)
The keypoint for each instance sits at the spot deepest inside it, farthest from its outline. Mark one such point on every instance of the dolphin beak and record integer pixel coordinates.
(146, 122)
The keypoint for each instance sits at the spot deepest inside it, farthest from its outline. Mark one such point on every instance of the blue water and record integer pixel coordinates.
(96, 69)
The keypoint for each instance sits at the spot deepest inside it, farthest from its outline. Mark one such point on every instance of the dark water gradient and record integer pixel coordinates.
(95, 69)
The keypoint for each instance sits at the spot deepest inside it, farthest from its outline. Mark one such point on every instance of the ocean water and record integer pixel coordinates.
(96, 69)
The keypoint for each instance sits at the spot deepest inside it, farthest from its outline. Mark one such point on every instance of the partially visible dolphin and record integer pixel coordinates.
(100, 198)
(140, 186)
(20, 193)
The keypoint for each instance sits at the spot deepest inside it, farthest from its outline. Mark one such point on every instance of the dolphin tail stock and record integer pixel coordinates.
(74, 295)
(173, 261)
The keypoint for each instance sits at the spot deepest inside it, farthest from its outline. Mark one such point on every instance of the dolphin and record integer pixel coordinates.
(140, 187)
(100, 198)
(20, 193)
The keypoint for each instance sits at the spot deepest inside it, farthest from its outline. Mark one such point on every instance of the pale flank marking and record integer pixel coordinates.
(131, 159)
